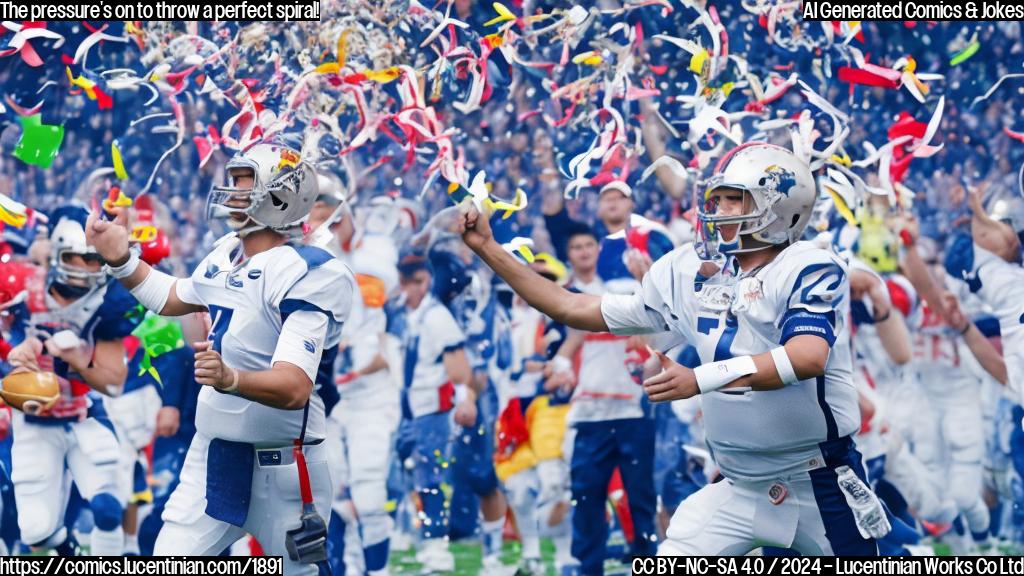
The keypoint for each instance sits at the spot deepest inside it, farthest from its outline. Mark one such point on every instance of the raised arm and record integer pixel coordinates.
(915, 268)
(154, 289)
(992, 235)
(889, 322)
(581, 311)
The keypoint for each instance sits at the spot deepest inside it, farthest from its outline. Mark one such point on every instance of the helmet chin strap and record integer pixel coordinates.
(757, 247)
(246, 228)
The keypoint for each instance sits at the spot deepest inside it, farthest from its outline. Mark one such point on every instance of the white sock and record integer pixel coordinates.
(492, 534)
(131, 543)
(107, 542)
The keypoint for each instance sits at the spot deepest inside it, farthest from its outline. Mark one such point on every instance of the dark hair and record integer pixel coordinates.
(410, 264)
(580, 230)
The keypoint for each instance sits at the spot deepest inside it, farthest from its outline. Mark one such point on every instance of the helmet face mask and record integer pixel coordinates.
(81, 273)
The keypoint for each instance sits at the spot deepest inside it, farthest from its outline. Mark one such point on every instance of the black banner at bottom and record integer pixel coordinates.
(841, 566)
(141, 565)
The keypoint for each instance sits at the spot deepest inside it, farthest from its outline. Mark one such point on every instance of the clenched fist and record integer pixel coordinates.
(210, 369)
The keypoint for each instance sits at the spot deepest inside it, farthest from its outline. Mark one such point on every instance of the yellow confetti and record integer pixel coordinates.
(526, 253)
(122, 201)
(841, 206)
(383, 76)
(590, 58)
(516, 205)
(504, 15)
(119, 170)
(144, 233)
(699, 61)
(844, 160)
(342, 50)
(12, 213)
(328, 68)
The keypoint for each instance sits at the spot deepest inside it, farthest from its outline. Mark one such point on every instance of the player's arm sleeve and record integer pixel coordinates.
(642, 312)
(814, 297)
(303, 335)
(187, 293)
(313, 310)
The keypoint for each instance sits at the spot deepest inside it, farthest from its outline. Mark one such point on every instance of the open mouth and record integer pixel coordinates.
(728, 232)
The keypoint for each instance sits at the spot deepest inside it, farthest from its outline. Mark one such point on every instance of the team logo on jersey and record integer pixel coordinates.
(310, 346)
(748, 291)
(234, 282)
(255, 274)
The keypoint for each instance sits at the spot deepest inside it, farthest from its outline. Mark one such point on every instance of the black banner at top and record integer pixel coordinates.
(166, 10)
(898, 10)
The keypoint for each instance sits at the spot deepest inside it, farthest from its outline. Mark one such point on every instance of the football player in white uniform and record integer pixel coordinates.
(276, 306)
(438, 389)
(989, 264)
(768, 321)
(83, 319)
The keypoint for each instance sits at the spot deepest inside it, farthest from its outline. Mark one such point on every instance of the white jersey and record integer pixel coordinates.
(430, 333)
(249, 305)
(944, 365)
(998, 284)
(605, 389)
(364, 337)
(527, 339)
(804, 290)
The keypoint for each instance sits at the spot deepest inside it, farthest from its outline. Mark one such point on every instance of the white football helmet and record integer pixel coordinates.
(783, 192)
(283, 192)
(68, 238)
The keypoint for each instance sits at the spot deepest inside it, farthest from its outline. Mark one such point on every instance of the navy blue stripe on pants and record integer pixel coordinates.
(836, 515)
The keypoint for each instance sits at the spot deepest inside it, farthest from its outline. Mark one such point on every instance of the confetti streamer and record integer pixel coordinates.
(39, 142)
(970, 50)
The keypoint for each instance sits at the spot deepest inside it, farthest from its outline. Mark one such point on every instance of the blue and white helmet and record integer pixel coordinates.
(783, 191)
(67, 238)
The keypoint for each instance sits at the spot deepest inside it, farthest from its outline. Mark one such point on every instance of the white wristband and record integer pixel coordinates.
(784, 366)
(127, 269)
(711, 377)
(461, 393)
(154, 291)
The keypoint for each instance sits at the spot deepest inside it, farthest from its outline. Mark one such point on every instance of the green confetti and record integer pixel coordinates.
(964, 54)
(39, 142)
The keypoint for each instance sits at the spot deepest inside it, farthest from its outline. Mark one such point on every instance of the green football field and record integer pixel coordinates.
(468, 559)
